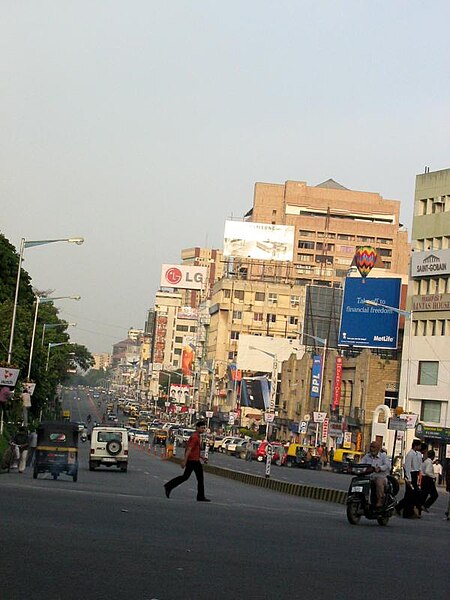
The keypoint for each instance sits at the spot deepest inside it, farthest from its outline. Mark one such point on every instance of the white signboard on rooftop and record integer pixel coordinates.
(254, 352)
(263, 241)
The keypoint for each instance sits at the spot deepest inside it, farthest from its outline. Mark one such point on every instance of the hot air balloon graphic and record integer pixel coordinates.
(365, 259)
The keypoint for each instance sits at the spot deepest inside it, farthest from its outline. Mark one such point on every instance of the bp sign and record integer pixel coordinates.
(365, 326)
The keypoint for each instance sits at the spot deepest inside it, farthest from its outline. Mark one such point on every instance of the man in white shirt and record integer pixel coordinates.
(429, 493)
(381, 466)
(412, 468)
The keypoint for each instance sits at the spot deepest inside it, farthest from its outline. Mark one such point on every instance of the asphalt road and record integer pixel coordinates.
(115, 535)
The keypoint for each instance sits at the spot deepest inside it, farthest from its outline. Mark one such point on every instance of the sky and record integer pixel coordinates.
(143, 125)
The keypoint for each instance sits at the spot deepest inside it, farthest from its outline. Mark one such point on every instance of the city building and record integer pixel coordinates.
(330, 221)
(102, 361)
(425, 374)
(202, 257)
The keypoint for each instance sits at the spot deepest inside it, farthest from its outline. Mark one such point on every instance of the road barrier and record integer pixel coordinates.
(284, 487)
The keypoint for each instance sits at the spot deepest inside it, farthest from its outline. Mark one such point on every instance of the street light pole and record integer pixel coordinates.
(50, 346)
(29, 244)
(324, 342)
(39, 300)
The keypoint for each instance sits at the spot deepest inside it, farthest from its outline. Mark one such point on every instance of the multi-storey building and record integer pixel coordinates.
(330, 221)
(102, 361)
(425, 376)
(202, 257)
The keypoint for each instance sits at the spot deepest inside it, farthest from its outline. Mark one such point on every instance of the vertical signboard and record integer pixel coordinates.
(325, 431)
(337, 383)
(316, 375)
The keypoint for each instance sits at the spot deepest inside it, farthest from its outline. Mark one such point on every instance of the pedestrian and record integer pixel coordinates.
(429, 493)
(437, 469)
(411, 468)
(191, 462)
(32, 443)
(21, 441)
(447, 487)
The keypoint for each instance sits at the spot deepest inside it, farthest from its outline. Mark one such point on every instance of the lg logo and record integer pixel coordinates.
(173, 275)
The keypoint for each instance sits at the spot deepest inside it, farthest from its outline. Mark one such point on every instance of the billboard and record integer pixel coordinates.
(263, 241)
(256, 352)
(187, 312)
(184, 277)
(364, 326)
(433, 262)
(179, 393)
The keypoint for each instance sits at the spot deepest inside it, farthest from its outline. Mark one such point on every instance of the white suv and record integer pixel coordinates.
(109, 447)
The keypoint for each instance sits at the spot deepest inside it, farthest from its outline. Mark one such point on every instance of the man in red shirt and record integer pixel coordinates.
(191, 462)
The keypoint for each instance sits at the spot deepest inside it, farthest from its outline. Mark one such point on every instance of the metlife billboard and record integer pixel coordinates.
(365, 326)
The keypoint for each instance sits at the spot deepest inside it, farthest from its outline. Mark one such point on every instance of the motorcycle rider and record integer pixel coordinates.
(381, 467)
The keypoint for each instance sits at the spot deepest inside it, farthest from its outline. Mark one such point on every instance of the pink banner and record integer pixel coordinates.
(337, 383)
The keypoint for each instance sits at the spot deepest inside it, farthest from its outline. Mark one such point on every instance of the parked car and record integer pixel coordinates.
(229, 440)
(218, 442)
(182, 435)
(230, 447)
(244, 449)
(277, 450)
(113, 417)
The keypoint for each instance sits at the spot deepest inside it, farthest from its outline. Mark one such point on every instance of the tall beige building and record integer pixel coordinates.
(330, 222)
(202, 257)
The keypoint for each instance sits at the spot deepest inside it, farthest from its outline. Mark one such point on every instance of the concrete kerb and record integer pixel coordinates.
(284, 487)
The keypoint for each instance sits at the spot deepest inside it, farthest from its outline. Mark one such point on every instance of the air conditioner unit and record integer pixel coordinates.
(439, 200)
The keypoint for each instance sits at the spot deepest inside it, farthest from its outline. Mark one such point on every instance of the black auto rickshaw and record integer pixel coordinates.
(57, 449)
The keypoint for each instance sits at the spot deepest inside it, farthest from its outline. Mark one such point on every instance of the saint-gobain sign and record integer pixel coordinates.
(433, 262)
(365, 326)
(185, 277)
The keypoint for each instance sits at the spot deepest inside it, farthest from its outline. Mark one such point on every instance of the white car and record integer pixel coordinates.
(109, 447)
(230, 448)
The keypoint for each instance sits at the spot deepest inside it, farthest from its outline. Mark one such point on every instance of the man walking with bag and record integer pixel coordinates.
(191, 462)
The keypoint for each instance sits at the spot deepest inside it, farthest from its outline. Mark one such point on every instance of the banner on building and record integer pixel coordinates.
(160, 339)
(365, 326)
(347, 439)
(187, 277)
(263, 241)
(337, 383)
(431, 263)
(325, 431)
(187, 359)
(316, 375)
(179, 393)
(187, 312)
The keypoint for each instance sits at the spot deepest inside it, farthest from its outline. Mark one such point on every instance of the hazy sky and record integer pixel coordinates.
(143, 125)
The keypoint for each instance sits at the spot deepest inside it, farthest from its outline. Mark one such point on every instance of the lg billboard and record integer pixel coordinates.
(183, 277)
(365, 326)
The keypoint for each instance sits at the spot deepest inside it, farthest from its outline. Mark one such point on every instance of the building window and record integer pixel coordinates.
(182, 328)
(306, 245)
(428, 372)
(430, 411)
(193, 329)
(231, 355)
(234, 335)
(306, 233)
(293, 320)
(237, 314)
(258, 317)
(260, 296)
(273, 298)
(271, 318)
(365, 239)
(178, 340)
(227, 293)
(386, 241)
(305, 257)
(177, 351)
(344, 236)
(295, 301)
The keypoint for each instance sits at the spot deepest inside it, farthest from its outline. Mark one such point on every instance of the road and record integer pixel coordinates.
(115, 535)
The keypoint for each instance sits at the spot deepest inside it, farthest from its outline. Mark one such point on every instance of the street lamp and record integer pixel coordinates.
(324, 342)
(47, 326)
(50, 346)
(409, 315)
(31, 244)
(39, 300)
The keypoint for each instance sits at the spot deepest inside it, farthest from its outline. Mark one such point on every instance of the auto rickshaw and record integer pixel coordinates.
(57, 449)
(343, 459)
(302, 456)
(160, 437)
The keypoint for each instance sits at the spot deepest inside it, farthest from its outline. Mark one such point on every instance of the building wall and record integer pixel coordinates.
(210, 258)
(330, 224)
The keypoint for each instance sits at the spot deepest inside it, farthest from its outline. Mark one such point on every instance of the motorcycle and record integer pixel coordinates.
(361, 497)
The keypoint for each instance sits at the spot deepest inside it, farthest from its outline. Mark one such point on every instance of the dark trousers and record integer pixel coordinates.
(429, 493)
(411, 498)
(191, 465)
(30, 456)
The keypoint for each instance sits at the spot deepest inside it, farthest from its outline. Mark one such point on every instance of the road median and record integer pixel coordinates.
(284, 487)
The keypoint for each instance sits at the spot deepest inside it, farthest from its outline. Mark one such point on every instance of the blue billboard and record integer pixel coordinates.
(316, 375)
(365, 326)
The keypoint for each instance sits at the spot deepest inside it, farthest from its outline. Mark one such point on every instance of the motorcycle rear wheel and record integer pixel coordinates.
(353, 515)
